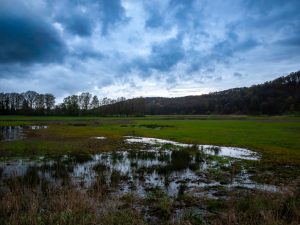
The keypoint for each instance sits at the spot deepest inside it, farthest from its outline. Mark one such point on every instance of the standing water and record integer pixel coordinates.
(145, 164)
(13, 133)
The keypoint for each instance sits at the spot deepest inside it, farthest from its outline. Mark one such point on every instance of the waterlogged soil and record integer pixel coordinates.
(145, 164)
(13, 133)
(161, 179)
(233, 152)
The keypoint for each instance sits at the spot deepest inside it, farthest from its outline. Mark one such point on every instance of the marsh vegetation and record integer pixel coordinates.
(109, 172)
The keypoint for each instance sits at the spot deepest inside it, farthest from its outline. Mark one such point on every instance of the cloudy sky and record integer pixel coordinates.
(145, 47)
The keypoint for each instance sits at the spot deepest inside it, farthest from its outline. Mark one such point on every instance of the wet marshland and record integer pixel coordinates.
(13, 133)
(142, 165)
(140, 180)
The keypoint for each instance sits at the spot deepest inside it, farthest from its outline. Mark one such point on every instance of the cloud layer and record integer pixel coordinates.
(145, 48)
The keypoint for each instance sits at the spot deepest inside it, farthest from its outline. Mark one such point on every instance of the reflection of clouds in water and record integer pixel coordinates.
(10, 133)
(165, 164)
(233, 152)
(135, 170)
(99, 138)
(13, 133)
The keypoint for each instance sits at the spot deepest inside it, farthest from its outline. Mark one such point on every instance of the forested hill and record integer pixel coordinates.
(279, 96)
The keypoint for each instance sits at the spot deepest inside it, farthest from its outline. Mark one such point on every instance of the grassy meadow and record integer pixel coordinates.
(277, 138)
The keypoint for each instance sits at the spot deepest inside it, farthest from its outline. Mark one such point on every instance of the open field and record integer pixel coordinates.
(277, 138)
(212, 190)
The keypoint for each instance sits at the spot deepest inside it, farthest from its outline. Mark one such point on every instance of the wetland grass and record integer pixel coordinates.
(275, 137)
(46, 192)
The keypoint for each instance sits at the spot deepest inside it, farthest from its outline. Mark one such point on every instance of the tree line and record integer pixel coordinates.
(28, 103)
(280, 96)
(83, 104)
(33, 103)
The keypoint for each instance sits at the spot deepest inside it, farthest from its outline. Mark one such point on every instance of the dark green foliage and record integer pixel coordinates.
(275, 97)
(279, 96)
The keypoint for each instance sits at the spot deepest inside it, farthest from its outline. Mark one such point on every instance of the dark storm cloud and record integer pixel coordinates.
(80, 17)
(24, 39)
(232, 45)
(32, 38)
(156, 18)
(292, 41)
(112, 13)
(77, 23)
(162, 58)
(165, 55)
(103, 44)
(183, 13)
(7, 71)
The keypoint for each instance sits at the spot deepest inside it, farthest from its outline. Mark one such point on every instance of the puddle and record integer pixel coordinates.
(152, 141)
(239, 153)
(169, 168)
(99, 138)
(233, 152)
(10, 133)
(13, 133)
(35, 127)
(154, 163)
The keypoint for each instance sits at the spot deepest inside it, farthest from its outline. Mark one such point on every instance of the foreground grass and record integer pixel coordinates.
(41, 203)
(36, 202)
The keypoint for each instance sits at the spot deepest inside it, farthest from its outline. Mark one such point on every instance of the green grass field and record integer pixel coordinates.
(277, 138)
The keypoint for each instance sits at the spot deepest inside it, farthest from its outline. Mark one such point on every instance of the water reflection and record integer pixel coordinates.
(150, 164)
(10, 133)
(135, 170)
(13, 133)
(233, 152)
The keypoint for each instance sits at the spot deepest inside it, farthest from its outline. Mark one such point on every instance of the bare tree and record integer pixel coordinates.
(13, 101)
(72, 104)
(121, 99)
(19, 101)
(49, 101)
(30, 97)
(40, 102)
(95, 102)
(84, 100)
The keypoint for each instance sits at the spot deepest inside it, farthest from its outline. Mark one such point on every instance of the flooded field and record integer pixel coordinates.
(143, 165)
(145, 180)
(12, 133)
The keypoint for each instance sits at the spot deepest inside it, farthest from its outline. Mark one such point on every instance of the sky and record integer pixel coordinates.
(135, 48)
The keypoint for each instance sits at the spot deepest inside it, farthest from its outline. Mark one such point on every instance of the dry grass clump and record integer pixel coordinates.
(44, 204)
(32, 205)
(261, 208)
